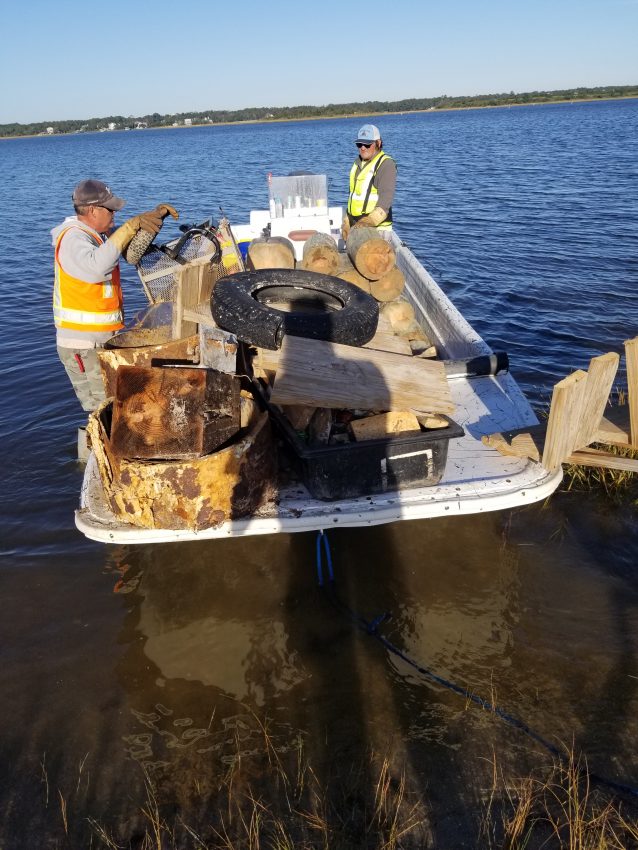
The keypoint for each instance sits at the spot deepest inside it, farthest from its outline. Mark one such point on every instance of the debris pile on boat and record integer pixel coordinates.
(281, 335)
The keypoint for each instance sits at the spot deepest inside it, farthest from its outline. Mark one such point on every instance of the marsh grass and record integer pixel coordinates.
(287, 808)
(281, 805)
(559, 810)
(617, 484)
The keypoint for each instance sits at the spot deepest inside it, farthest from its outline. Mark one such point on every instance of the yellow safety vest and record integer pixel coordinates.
(86, 306)
(363, 195)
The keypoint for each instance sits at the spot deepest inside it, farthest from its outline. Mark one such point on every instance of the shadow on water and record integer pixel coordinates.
(216, 662)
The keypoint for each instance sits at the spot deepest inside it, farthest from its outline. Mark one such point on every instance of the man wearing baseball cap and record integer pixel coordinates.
(373, 179)
(87, 294)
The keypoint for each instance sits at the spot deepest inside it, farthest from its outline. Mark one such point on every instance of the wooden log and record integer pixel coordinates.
(327, 374)
(399, 313)
(631, 353)
(353, 276)
(320, 254)
(385, 425)
(195, 494)
(371, 254)
(422, 348)
(173, 412)
(272, 252)
(564, 419)
(383, 341)
(388, 287)
(600, 377)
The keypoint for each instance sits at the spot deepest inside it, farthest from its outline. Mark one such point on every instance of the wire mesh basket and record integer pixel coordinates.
(159, 267)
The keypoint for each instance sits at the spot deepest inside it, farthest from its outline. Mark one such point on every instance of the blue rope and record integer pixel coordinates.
(372, 628)
(326, 545)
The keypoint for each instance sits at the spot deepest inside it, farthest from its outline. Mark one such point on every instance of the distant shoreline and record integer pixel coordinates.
(331, 117)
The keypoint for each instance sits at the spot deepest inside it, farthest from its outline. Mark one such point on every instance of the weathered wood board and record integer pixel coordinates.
(341, 376)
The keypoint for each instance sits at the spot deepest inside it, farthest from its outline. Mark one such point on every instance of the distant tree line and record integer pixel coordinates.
(332, 110)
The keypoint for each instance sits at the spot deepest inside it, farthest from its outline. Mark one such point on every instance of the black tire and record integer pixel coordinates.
(321, 307)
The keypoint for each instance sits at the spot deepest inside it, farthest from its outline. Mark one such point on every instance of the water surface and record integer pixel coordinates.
(122, 661)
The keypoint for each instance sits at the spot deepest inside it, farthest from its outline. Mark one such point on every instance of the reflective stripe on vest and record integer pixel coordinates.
(363, 194)
(83, 306)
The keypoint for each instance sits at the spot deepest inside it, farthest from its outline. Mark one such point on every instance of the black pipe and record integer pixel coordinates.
(476, 367)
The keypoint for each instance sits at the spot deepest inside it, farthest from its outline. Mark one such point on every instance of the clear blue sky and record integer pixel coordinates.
(82, 60)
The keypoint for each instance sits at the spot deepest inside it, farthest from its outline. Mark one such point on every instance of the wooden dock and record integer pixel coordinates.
(580, 415)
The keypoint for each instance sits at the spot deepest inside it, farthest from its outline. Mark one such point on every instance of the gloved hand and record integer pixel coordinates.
(345, 227)
(151, 222)
(150, 225)
(166, 209)
(373, 219)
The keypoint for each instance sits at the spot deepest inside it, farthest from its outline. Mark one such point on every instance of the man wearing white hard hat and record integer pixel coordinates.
(373, 179)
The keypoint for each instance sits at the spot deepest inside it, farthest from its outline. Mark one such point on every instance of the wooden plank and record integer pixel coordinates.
(341, 376)
(526, 444)
(600, 378)
(602, 459)
(631, 353)
(564, 419)
(268, 360)
(187, 296)
(614, 427)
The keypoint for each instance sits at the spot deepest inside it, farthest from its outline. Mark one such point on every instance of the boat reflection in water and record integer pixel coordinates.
(239, 655)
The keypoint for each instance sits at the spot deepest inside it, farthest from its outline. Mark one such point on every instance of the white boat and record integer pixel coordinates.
(476, 478)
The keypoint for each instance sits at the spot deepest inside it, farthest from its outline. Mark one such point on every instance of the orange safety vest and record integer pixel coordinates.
(86, 306)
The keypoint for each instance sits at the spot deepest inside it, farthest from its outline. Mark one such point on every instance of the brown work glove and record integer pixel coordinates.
(151, 222)
(166, 209)
(345, 227)
(373, 219)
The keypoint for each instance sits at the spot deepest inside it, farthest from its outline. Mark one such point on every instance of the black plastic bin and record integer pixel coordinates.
(348, 470)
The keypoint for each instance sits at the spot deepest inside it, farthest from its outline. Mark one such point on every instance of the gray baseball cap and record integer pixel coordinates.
(368, 133)
(95, 193)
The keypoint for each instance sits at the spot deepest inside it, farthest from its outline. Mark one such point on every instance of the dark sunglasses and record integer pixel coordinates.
(363, 145)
